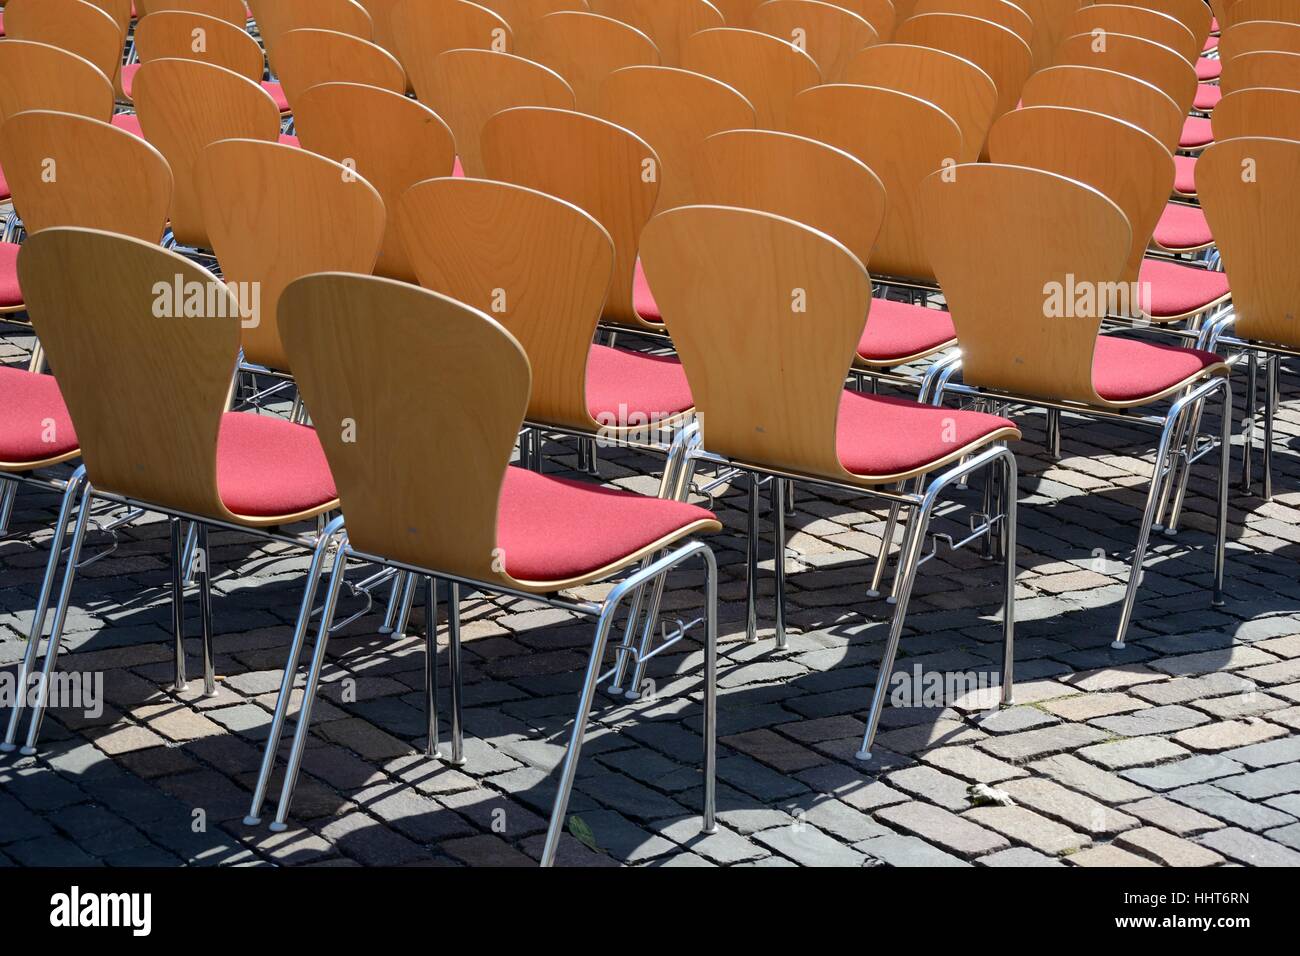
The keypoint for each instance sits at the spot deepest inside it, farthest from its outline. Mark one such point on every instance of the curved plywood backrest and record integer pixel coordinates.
(381, 23)
(393, 142)
(766, 71)
(994, 234)
(71, 25)
(468, 87)
(93, 321)
(175, 34)
(1001, 12)
(540, 266)
(184, 106)
(1160, 66)
(439, 392)
(903, 139)
(831, 35)
(276, 213)
(667, 22)
(1122, 162)
(957, 86)
(275, 17)
(798, 178)
(522, 15)
(232, 11)
(766, 365)
(426, 28)
(1247, 188)
(1137, 22)
(994, 49)
(1050, 18)
(37, 76)
(584, 48)
(881, 14)
(310, 57)
(1260, 112)
(648, 101)
(1113, 94)
(601, 168)
(68, 170)
(1264, 68)
(1243, 11)
(1255, 35)
(1195, 15)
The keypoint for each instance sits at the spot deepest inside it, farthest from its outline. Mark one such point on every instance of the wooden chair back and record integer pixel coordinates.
(768, 72)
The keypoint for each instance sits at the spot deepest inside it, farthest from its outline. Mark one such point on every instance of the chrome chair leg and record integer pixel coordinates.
(8, 492)
(395, 599)
(453, 659)
(751, 563)
(404, 610)
(187, 553)
(431, 668)
(886, 546)
(1270, 411)
(205, 608)
(629, 635)
(1054, 433)
(1247, 461)
(778, 557)
(1225, 457)
(178, 602)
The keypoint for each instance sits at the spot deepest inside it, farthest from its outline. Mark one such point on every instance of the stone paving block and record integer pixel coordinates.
(1089, 706)
(1108, 855)
(1166, 849)
(1261, 784)
(1177, 819)
(1182, 690)
(1229, 807)
(851, 786)
(1249, 848)
(939, 826)
(1228, 734)
(724, 847)
(1288, 835)
(1040, 743)
(1074, 809)
(1153, 720)
(1019, 856)
(897, 850)
(1182, 773)
(1078, 775)
(933, 785)
(972, 764)
(774, 750)
(920, 737)
(1268, 754)
(1132, 752)
(1025, 826)
(808, 846)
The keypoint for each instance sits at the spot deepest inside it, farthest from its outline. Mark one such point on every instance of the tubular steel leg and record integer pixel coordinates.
(778, 556)
(629, 635)
(710, 729)
(395, 600)
(408, 601)
(656, 589)
(1054, 433)
(1252, 368)
(453, 658)
(1010, 491)
(886, 545)
(751, 563)
(187, 552)
(1270, 411)
(1225, 456)
(431, 667)
(205, 609)
(178, 602)
(8, 492)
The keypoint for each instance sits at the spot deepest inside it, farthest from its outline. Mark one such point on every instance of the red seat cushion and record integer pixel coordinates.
(268, 466)
(643, 299)
(129, 71)
(625, 387)
(1185, 175)
(2, 24)
(554, 529)
(878, 435)
(1208, 69)
(287, 139)
(129, 122)
(1127, 370)
(897, 330)
(277, 94)
(457, 169)
(1196, 133)
(1207, 97)
(4, 187)
(1211, 43)
(1182, 227)
(1179, 290)
(34, 422)
(10, 294)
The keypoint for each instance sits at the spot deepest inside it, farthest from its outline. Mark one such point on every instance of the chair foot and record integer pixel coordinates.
(1118, 645)
(252, 821)
(278, 827)
(863, 755)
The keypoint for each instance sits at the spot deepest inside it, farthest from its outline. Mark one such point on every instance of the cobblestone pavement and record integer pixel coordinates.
(1182, 750)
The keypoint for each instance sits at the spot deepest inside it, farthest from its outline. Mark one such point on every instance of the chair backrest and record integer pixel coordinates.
(309, 57)
(1009, 273)
(121, 11)
(69, 170)
(1264, 68)
(1106, 91)
(523, 14)
(1243, 11)
(275, 213)
(584, 48)
(1050, 18)
(145, 343)
(798, 178)
(539, 265)
(1121, 161)
(71, 25)
(468, 87)
(1247, 188)
(392, 141)
(275, 17)
(1001, 12)
(601, 168)
(955, 85)
(996, 50)
(1195, 15)
(1256, 35)
(381, 23)
(1134, 21)
(1160, 66)
(768, 72)
(184, 106)
(423, 29)
(37, 76)
(667, 22)
(232, 11)
(179, 35)
(648, 100)
(903, 139)
(766, 314)
(1259, 112)
(830, 34)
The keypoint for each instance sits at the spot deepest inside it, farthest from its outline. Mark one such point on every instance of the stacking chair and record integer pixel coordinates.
(1028, 299)
(726, 276)
(308, 57)
(232, 11)
(275, 17)
(1137, 21)
(584, 48)
(1244, 11)
(1050, 26)
(392, 141)
(173, 34)
(830, 34)
(1254, 35)
(1002, 12)
(1263, 68)
(648, 101)
(1160, 66)
(444, 389)
(768, 72)
(468, 87)
(1258, 112)
(1195, 15)
(425, 28)
(1120, 95)
(231, 470)
(381, 23)
(522, 15)
(666, 22)
(72, 25)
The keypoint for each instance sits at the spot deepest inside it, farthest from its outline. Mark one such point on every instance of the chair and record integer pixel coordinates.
(1264, 68)
(1260, 113)
(468, 87)
(71, 25)
(830, 34)
(1255, 35)
(1050, 18)
(1137, 21)
(309, 57)
(1114, 94)
(1002, 12)
(957, 86)
(445, 388)
(37, 76)
(275, 17)
(426, 28)
(666, 22)
(648, 101)
(1028, 299)
(522, 15)
(1244, 11)
(766, 71)
(392, 141)
(232, 11)
(781, 411)
(1195, 15)
(276, 213)
(381, 23)
(584, 48)
(172, 34)
(1145, 59)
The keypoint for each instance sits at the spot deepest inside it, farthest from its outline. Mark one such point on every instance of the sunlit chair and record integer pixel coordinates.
(585, 48)
(667, 22)
(768, 72)
(71, 25)
(309, 57)
(830, 34)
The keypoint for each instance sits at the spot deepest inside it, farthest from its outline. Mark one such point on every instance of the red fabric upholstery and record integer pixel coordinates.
(896, 330)
(1177, 290)
(4, 183)
(643, 299)
(288, 140)
(1207, 97)
(268, 466)
(879, 435)
(1185, 175)
(1196, 133)
(277, 94)
(1127, 370)
(457, 169)
(10, 294)
(33, 411)
(1182, 227)
(622, 384)
(1211, 43)
(2, 24)
(129, 122)
(553, 529)
(129, 71)
(1208, 69)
